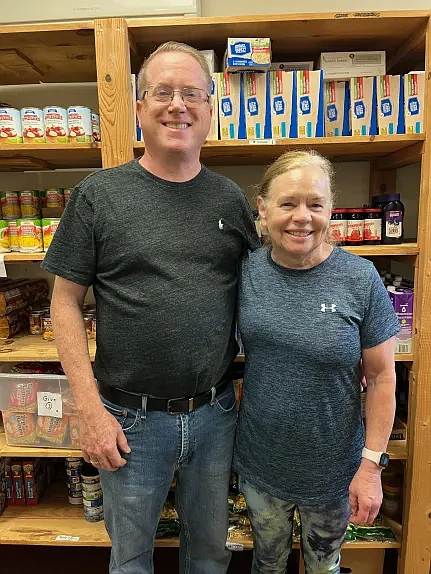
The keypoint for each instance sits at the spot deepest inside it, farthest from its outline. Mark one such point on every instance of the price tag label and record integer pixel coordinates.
(261, 142)
(63, 538)
(234, 546)
(49, 405)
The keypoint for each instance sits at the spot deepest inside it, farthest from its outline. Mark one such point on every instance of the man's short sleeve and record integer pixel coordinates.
(380, 321)
(72, 253)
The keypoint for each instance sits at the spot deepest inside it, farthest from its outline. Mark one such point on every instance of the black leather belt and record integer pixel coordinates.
(172, 406)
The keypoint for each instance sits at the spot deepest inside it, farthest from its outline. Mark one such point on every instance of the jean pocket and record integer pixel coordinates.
(226, 401)
(127, 418)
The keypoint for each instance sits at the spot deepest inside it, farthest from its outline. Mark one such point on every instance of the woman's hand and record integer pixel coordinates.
(365, 493)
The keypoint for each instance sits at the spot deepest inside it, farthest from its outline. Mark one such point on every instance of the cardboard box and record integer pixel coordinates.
(346, 65)
(399, 430)
(17, 482)
(390, 105)
(414, 92)
(363, 94)
(359, 561)
(402, 300)
(35, 479)
(231, 106)
(8, 481)
(292, 66)
(213, 134)
(284, 111)
(310, 104)
(257, 105)
(211, 58)
(337, 108)
(247, 54)
(3, 491)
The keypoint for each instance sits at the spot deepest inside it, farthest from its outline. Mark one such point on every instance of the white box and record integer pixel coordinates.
(231, 106)
(211, 58)
(414, 93)
(363, 111)
(337, 108)
(247, 54)
(292, 66)
(213, 133)
(390, 105)
(284, 113)
(257, 105)
(310, 98)
(346, 65)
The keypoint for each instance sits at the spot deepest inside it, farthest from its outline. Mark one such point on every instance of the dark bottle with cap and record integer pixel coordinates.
(392, 219)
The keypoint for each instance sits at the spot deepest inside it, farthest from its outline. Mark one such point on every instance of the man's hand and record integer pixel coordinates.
(101, 439)
(365, 493)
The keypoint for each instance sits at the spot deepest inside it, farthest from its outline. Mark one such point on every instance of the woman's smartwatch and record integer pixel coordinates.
(380, 458)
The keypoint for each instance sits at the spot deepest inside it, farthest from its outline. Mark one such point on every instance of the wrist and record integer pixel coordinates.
(370, 466)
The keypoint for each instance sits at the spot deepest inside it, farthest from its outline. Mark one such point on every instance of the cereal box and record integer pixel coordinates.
(3, 488)
(17, 482)
(231, 106)
(257, 105)
(402, 300)
(390, 105)
(284, 110)
(414, 91)
(213, 133)
(337, 108)
(363, 92)
(310, 99)
(252, 54)
(346, 65)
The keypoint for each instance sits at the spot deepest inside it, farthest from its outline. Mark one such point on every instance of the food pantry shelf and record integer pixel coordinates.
(35, 157)
(54, 517)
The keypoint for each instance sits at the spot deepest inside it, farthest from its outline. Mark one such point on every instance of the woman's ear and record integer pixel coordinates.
(262, 210)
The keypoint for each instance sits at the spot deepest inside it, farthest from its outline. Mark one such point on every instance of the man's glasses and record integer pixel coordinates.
(165, 94)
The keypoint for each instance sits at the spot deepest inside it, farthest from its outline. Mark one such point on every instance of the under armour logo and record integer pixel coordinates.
(221, 224)
(324, 307)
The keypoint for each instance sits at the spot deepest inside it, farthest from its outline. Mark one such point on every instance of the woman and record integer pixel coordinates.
(308, 313)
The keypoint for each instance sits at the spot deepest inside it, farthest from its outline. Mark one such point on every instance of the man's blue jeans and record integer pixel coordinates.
(199, 446)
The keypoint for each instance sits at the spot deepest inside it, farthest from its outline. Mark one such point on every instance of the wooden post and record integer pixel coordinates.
(416, 546)
(115, 90)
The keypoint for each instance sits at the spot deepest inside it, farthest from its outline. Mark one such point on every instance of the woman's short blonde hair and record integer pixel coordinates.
(174, 47)
(297, 159)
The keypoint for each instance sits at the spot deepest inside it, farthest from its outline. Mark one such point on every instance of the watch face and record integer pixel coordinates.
(384, 460)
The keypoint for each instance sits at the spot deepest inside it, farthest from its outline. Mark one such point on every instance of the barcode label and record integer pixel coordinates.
(403, 348)
(234, 546)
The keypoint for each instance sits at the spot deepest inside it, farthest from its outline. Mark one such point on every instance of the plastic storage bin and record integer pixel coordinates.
(38, 410)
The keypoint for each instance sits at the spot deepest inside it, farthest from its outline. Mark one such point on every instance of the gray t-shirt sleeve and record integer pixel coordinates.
(380, 322)
(72, 253)
(253, 241)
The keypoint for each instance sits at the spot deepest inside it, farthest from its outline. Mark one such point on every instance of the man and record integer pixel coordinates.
(160, 240)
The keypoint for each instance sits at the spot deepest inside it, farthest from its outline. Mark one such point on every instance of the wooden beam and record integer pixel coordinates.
(115, 92)
(413, 44)
(401, 158)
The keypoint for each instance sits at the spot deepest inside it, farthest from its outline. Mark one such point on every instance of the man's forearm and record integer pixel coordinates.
(72, 345)
(379, 410)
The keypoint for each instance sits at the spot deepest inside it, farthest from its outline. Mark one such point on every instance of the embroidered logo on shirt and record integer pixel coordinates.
(324, 307)
(221, 224)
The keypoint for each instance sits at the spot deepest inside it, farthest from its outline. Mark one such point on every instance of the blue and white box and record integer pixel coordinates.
(231, 106)
(310, 104)
(284, 111)
(390, 105)
(337, 108)
(247, 54)
(257, 105)
(363, 111)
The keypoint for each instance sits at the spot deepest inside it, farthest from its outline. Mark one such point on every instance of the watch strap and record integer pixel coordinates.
(372, 455)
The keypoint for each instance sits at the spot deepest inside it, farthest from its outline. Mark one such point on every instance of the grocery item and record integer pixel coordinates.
(390, 105)
(56, 128)
(74, 430)
(243, 54)
(91, 493)
(414, 92)
(13, 235)
(211, 59)
(13, 323)
(310, 104)
(231, 106)
(4, 236)
(403, 300)
(88, 322)
(391, 504)
(30, 235)
(67, 193)
(30, 368)
(355, 226)
(338, 226)
(3, 488)
(346, 65)
(337, 108)
(10, 126)
(282, 86)
(20, 428)
(17, 482)
(291, 66)
(372, 226)
(257, 105)
(80, 124)
(33, 126)
(35, 322)
(29, 203)
(35, 480)
(16, 294)
(95, 127)
(47, 330)
(213, 134)
(52, 429)
(52, 197)
(93, 328)
(23, 397)
(393, 219)
(49, 227)
(363, 111)
(10, 204)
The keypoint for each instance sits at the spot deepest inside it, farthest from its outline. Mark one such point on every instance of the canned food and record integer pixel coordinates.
(13, 235)
(90, 488)
(35, 320)
(32, 124)
(88, 322)
(93, 514)
(29, 203)
(47, 330)
(10, 204)
(79, 121)
(67, 193)
(10, 126)
(30, 235)
(95, 124)
(74, 477)
(56, 128)
(73, 462)
(49, 227)
(75, 498)
(52, 197)
(96, 503)
(4, 236)
(93, 496)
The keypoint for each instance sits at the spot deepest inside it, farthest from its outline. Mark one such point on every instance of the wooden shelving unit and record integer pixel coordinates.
(108, 49)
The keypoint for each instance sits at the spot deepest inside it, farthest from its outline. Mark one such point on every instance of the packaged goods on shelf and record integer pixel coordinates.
(390, 105)
(13, 235)
(284, 118)
(399, 430)
(346, 65)
(13, 323)
(363, 93)
(231, 106)
(213, 134)
(52, 197)
(17, 478)
(30, 235)
(338, 226)
(67, 192)
(10, 204)
(3, 487)
(35, 480)
(79, 124)
(257, 105)
(56, 126)
(95, 127)
(291, 66)
(4, 236)
(337, 108)
(242, 54)
(49, 227)
(32, 125)
(29, 203)
(29, 479)
(10, 126)
(402, 300)
(310, 104)
(211, 59)
(414, 93)
(392, 217)
(16, 294)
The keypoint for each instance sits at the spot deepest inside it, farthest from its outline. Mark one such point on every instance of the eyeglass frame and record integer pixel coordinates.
(180, 91)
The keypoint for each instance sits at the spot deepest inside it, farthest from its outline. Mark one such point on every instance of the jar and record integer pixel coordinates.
(355, 226)
(372, 226)
(391, 504)
(393, 220)
(47, 330)
(35, 321)
(88, 322)
(338, 226)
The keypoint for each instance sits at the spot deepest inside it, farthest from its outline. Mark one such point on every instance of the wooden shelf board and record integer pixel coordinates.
(384, 250)
(28, 451)
(23, 257)
(32, 157)
(397, 449)
(338, 149)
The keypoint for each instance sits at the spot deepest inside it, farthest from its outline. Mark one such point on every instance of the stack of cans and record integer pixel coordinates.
(74, 482)
(92, 494)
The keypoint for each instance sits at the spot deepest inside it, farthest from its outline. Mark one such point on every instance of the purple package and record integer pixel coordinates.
(402, 300)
